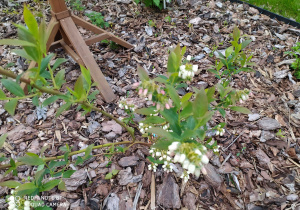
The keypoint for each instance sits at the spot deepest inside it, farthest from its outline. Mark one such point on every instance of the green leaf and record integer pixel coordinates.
(3, 139)
(210, 94)
(160, 132)
(22, 53)
(156, 2)
(62, 186)
(31, 22)
(26, 189)
(240, 109)
(43, 36)
(172, 61)
(115, 172)
(79, 88)
(88, 151)
(172, 117)
(228, 51)
(2, 95)
(49, 185)
(39, 176)
(59, 78)
(63, 108)
(86, 74)
(162, 145)
(143, 74)
(161, 79)
(187, 111)
(186, 97)
(31, 159)
(10, 184)
(204, 119)
(54, 164)
(145, 111)
(245, 43)
(45, 62)
(222, 112)
(174, 95)
(10, 106)
(16, 42)
(68, 174)
(108, 176)
(154, 120)
(50, 100)
(92, 96)
(200, 105)
(13, 87)
(236, 34)
(58, 62)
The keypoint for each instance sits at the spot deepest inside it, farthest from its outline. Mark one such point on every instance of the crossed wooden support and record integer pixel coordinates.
(65, 34)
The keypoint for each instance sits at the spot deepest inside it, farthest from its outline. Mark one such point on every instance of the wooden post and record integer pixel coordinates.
(63, 23)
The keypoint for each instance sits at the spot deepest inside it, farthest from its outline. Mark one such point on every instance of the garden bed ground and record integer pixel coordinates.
(256, 169)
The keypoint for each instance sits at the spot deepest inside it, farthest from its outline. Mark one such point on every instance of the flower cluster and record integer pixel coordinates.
(217, 149)
(185, 176)
(220, 131)
(244, 95)
(187, 71)
(164, 157)
(12, 205)
(187, 154)
(191, 161)
(124, 105)
(156, 94)
(166, 127)
(144, 127)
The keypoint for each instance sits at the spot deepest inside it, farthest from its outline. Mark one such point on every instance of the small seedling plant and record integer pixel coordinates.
(295, 53)
(97, 19)
(77, 5)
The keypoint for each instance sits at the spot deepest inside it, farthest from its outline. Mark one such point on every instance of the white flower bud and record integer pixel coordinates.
(185, 164)
(191, 168)
(182, 68)
(177, 158)
(198, 152)
(158, 154)
(11, 198)
(168, 158)
(189, 57)
(197, 173)
(182, 158)
(244, 97)
(217, 133)
(27, 203)
(27, 208)
(204, 159)
(195, 68)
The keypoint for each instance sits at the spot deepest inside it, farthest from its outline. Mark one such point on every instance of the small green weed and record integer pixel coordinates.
(77, 5)
(97, 19)
(295, 52)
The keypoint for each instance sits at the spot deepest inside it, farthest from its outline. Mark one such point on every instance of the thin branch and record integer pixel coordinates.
(78, 152)
(54, 92)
